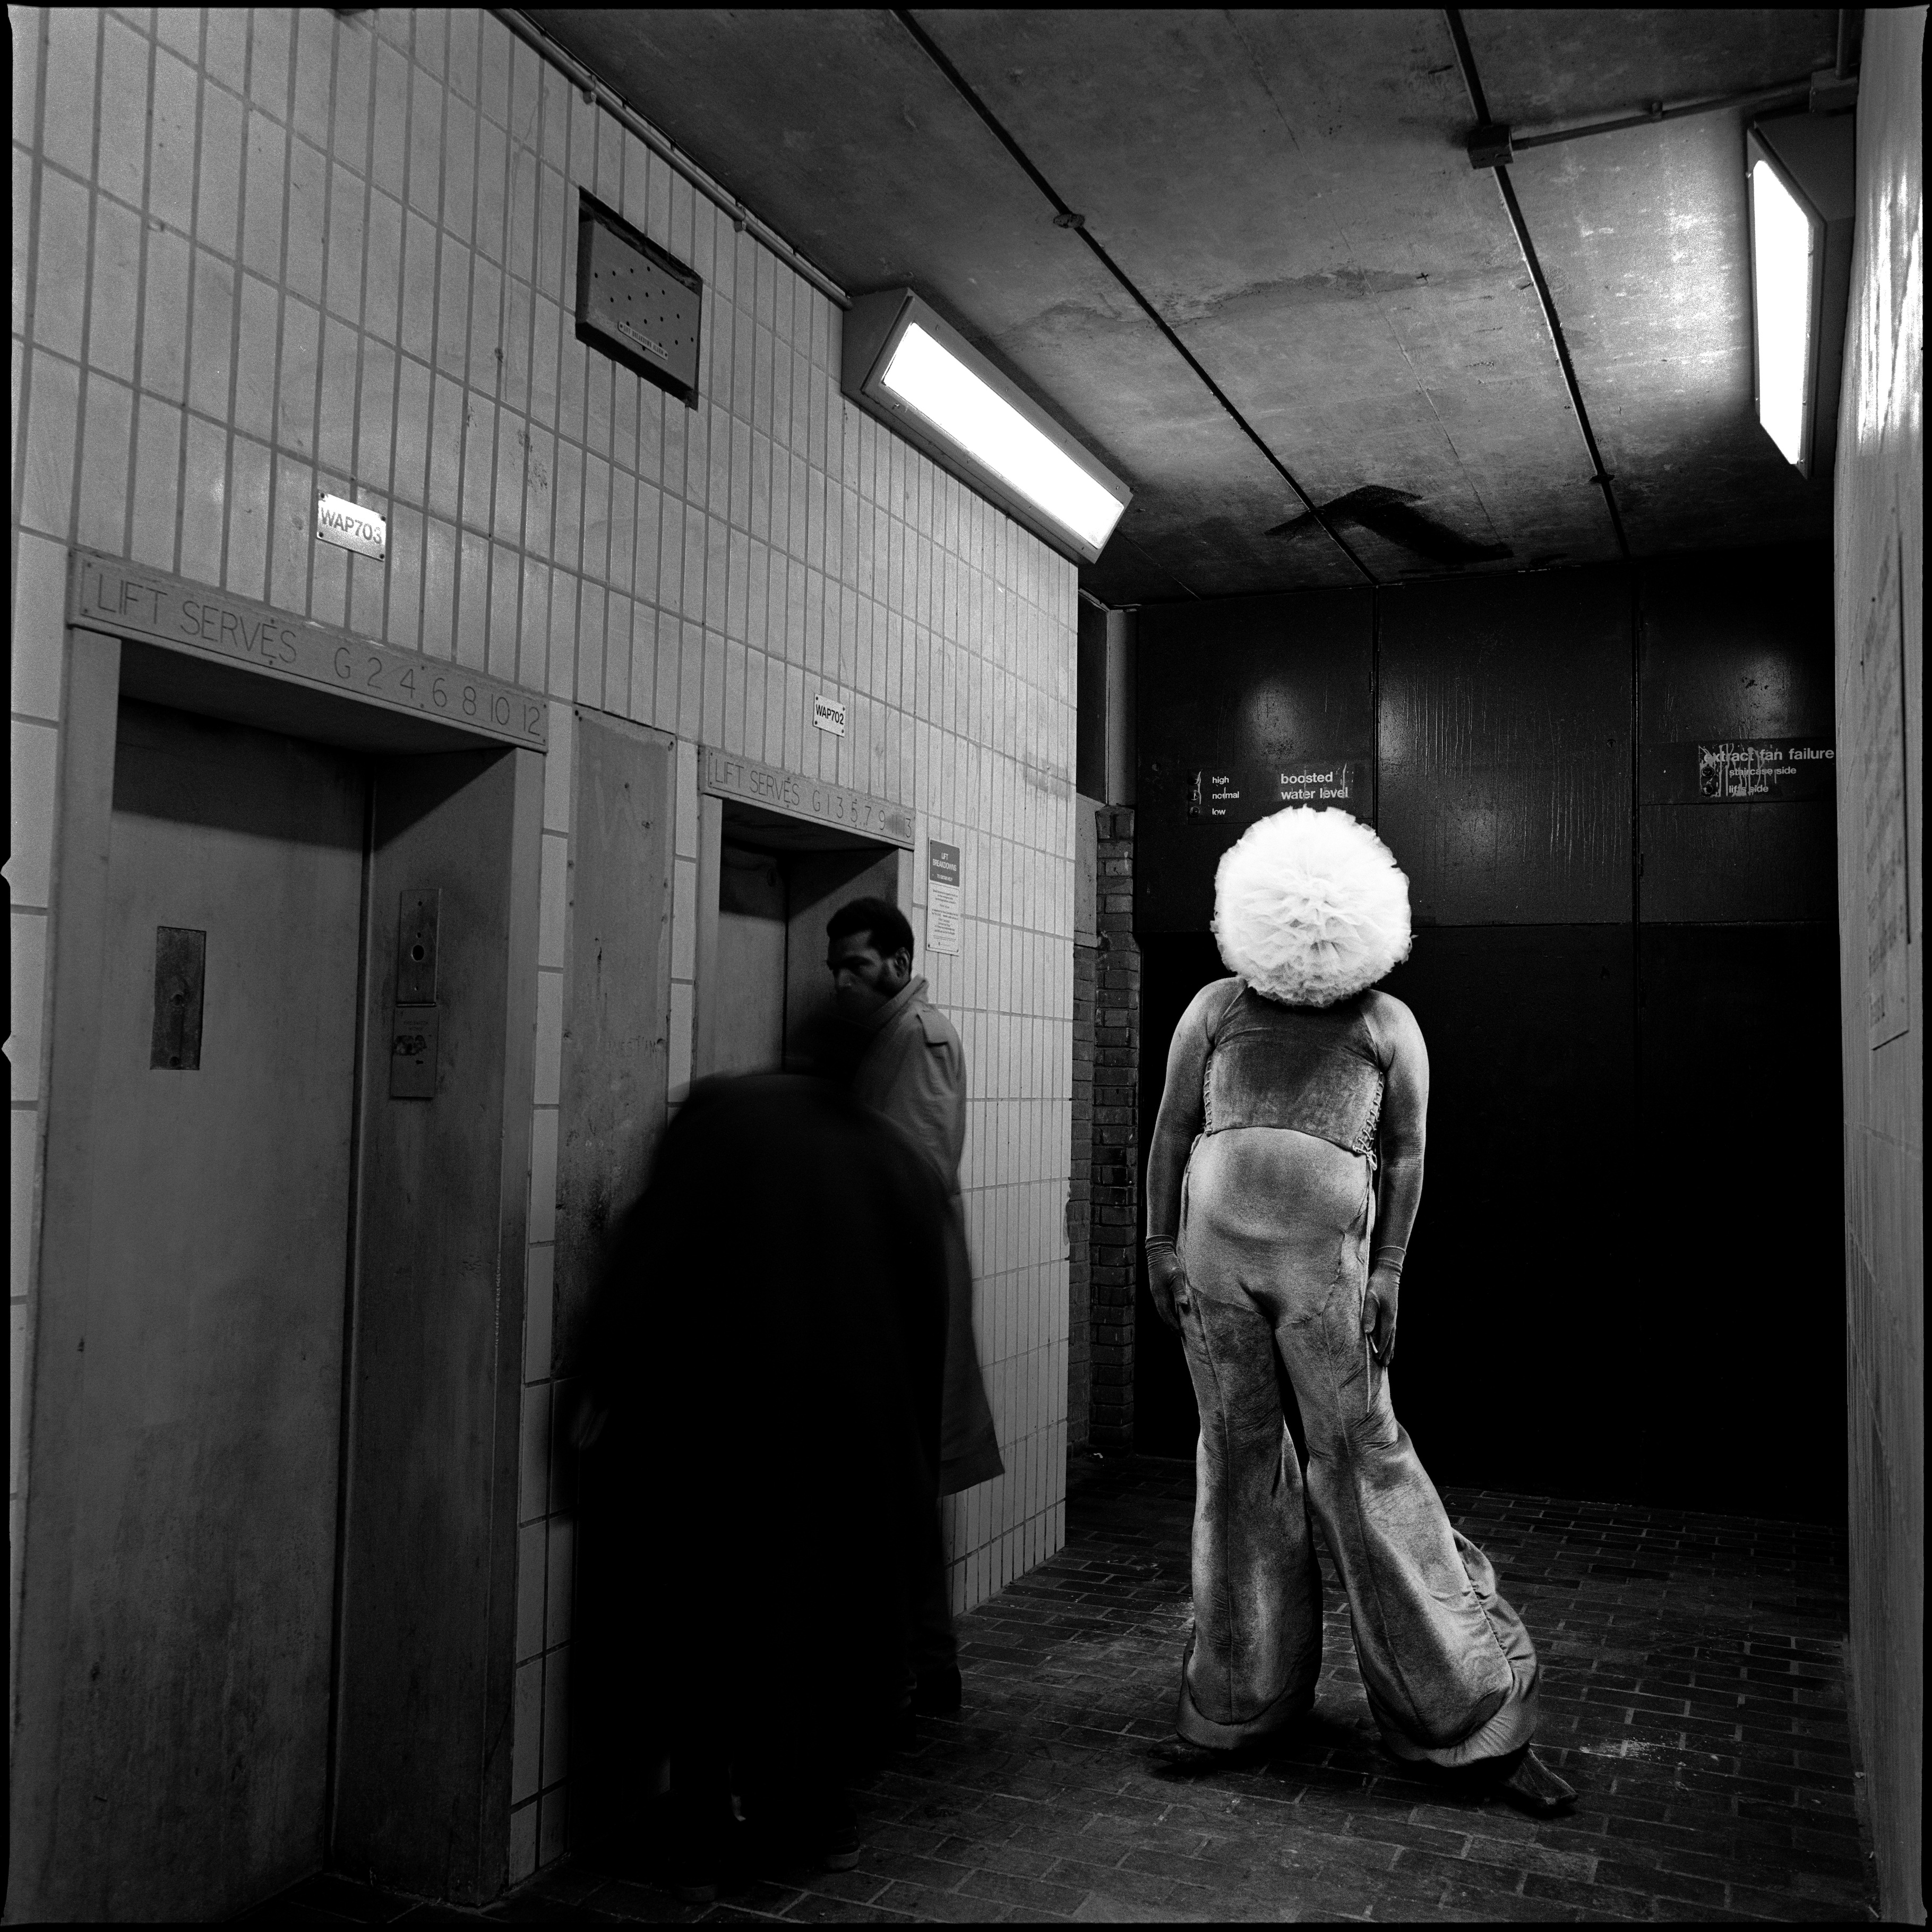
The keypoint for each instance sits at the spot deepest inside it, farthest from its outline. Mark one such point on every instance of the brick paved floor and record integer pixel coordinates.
(1693, 1692)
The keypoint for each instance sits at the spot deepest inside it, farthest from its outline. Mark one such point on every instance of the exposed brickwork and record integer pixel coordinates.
(1693, 1691)
(1080, 1204)
(1116, 1161)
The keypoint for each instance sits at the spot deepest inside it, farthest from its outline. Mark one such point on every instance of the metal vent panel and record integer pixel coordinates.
(636, 303)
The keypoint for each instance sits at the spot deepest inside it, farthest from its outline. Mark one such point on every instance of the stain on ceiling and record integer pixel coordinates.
(1288, 191)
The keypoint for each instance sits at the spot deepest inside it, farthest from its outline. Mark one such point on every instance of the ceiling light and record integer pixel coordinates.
(1784, 277)
(1799, 188)
(905, 365)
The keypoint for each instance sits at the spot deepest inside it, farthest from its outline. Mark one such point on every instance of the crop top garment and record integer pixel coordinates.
(1316, 1070)
(1312, 1069)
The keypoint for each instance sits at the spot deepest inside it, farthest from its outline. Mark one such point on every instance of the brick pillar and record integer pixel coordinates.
(1114, 1183)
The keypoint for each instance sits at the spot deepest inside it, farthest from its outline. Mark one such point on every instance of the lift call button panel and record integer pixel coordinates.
(413, 1034)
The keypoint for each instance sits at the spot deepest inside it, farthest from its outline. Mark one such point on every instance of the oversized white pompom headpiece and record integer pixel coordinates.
(1310, 907)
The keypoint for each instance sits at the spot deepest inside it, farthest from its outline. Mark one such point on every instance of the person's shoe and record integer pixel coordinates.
(1531, 1786)
(838, 1845)
(1183, 1758)
(696, 1848)
(938, 1693)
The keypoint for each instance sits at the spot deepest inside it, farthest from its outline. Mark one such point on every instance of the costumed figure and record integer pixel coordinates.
(1283, 1183)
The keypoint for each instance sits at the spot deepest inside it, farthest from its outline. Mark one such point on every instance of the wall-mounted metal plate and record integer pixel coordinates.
(636, 303)
(416, 921)
(181, 959)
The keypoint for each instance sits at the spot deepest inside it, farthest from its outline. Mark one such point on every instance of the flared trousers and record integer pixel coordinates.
(1450, 1671)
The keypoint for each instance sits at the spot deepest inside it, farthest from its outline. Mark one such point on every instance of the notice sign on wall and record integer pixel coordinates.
(349, 526)
(942, 897)
(1241, 794)
(828, 714)
(1767, 768)
(724, 775)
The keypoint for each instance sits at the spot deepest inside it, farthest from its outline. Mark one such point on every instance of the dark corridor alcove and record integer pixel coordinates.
(1625, 1281)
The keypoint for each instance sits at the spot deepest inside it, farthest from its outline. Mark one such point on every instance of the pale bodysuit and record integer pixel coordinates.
(1264, 1170)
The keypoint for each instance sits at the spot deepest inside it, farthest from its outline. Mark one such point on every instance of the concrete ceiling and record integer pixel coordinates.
(1288, 191)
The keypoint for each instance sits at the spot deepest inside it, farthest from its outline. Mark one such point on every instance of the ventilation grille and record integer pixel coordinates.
(639, 305)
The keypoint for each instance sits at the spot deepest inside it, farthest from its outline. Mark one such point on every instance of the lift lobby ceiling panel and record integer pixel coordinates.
(1289, 192)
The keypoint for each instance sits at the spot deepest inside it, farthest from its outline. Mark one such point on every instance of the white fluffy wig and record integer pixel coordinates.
(1310, 907)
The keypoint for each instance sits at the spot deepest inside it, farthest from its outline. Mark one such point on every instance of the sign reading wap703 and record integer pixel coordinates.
(349, 526)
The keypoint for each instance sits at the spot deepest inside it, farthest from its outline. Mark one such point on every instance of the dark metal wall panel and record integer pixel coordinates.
(1626, 1272)
(1504, 776)
(1520, 1361)
(1245, 684)
(1738, 1266)
(1735, 648)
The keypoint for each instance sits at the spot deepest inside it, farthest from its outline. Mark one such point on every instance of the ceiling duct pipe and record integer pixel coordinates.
(1495, 144)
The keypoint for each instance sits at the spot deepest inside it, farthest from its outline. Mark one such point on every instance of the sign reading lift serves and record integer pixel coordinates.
(725, 775)
(106, 594)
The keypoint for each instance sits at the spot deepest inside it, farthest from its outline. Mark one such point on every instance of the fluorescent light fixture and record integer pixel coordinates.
(1799, 191)
(931, 379)
(906, 366)
(1784, 273)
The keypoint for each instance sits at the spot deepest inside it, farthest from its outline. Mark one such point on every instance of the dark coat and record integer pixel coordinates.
(767, 1348)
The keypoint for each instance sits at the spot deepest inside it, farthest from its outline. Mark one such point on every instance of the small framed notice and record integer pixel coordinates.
(942, 897)
(1241, 793)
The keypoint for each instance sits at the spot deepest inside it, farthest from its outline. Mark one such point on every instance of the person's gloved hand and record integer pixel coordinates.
(1378, 1312)
(1167, 1283)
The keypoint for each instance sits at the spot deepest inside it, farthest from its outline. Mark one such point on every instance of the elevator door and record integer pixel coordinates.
(767, 998)
(195, 1726)
(752, 905)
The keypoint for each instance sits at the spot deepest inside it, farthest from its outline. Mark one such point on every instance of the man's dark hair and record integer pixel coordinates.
(882, 922)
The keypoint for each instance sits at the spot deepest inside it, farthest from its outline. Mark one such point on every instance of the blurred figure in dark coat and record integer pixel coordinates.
(760, 1472)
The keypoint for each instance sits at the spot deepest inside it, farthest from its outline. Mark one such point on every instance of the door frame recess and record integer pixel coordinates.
(805, 806)
(135, 632)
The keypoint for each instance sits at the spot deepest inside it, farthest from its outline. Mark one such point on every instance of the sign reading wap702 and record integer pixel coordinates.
(125, 600)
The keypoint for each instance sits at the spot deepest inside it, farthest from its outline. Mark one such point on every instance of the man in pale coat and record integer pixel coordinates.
(912, 1070)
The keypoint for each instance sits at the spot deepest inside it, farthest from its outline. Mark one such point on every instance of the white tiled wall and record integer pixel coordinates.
(261, 252)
